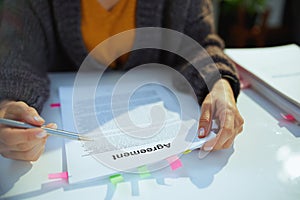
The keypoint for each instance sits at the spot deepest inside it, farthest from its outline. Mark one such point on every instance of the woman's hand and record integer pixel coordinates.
(220, 105)
(18, 143)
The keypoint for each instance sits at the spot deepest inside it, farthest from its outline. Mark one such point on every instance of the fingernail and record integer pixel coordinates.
(41, 134)
(54, 126)
(201, 132)
(202, 154)
(38, 119)
(207, 148)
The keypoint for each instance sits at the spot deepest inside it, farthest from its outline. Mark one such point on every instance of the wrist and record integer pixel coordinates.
(224, 83)
(234, 84)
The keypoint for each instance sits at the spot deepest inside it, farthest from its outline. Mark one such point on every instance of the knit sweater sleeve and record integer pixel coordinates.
(23, 55)
(215, 65)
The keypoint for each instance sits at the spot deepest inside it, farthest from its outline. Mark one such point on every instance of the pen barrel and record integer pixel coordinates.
(14, 123)
(62, 133)
(50, 131)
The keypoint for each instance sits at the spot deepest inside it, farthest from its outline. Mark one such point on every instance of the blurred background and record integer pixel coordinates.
(258, 23)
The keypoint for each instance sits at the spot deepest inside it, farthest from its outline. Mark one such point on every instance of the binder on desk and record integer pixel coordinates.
(274, 72)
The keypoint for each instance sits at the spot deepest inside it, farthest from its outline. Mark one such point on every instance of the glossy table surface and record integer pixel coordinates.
(264, 163)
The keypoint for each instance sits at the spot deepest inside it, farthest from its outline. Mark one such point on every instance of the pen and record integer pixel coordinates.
(56, 132)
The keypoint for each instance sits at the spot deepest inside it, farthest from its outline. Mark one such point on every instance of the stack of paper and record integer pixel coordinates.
(122, 148)
(274, 72)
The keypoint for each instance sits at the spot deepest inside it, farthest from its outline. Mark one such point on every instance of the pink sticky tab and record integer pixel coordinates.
(174, 162)
(55, 105)
(289, 117)
(63, 175)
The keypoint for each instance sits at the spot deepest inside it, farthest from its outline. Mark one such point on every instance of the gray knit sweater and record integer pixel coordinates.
(37, 36)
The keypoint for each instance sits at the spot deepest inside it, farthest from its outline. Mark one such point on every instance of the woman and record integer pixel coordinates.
(41, 36)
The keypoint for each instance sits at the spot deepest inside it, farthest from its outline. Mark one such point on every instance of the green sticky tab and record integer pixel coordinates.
(117, 178)
(144, 172)
(187, 151)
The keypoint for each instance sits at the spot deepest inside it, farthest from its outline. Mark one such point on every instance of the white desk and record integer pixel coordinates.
(263, 164)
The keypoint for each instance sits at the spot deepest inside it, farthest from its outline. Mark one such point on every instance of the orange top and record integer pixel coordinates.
(98, 24)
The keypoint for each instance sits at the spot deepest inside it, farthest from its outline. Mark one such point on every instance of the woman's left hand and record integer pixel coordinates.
(220, 105)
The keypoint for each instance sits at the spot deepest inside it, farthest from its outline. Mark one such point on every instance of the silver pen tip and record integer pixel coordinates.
(84, 138)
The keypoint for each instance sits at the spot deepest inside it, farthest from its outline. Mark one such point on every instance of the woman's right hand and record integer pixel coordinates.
(19, 143)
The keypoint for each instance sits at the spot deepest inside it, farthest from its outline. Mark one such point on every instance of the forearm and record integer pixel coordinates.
(225, 66)
(209, 63)
(24, 86)
(23, 56)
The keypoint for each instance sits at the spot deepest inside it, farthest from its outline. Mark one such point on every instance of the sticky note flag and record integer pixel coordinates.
(55, 105)
(117, 178)
(144, 172)
(174, 162)
(62, 175)
(187, 151)
(288, 117)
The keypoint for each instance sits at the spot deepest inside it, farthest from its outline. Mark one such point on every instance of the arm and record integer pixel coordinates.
(214, 63)
(23, 55)
(217, 85)
(24, 86)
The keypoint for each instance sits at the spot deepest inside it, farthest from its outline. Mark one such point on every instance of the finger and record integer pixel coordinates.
(228, 143)
(202, 154)
(239, 121)
(51, 125)
(209, 145)
(30, 155)
(21, 111)
(205, 119)
(215, 144)
(225, 133)
(212, 143)
(39, 153)
(227, 129)
(13, 136)
(239, 130)
(20, 147)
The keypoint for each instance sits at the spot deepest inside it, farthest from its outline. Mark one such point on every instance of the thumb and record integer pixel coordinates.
(205, 120)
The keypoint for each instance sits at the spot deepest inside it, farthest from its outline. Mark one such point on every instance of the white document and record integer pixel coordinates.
(122, 148)
(278, 67)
